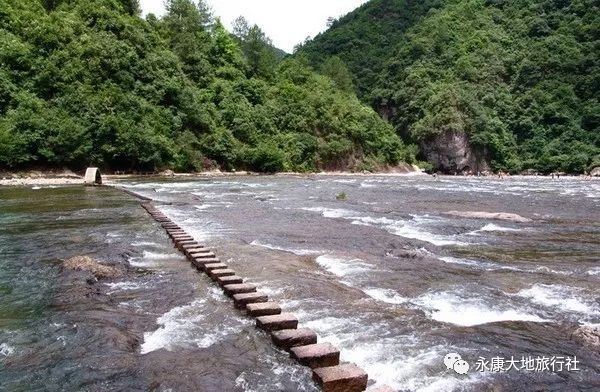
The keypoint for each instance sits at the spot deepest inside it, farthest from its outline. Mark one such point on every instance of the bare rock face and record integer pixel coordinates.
(86, 263)
(588, 336)
(451, 152)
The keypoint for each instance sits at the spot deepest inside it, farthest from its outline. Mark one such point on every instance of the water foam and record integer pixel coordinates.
(331, 212)
(385, 295)
(123, 286)
(342, 267)
(181, 327)
(449, 307)
(151, 259)
(491, 227)
(145, 243)
(594, 271)
(299, 252)
(399, 362)
(568, 299)
(6, 350)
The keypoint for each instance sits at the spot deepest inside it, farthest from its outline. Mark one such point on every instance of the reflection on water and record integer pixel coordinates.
(385, 275)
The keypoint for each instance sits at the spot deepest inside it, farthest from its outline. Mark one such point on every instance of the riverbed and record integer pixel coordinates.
(383, 271)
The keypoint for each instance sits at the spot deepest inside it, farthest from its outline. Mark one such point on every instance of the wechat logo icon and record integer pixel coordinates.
(455, 362)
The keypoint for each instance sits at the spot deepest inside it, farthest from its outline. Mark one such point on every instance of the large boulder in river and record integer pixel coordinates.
(86, 263)
(595, 172)
(451, 152)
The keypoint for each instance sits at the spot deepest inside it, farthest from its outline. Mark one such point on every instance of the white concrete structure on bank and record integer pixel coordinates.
(92, 177)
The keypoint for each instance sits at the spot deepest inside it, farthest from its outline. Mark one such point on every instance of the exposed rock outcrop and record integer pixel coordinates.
(595, 172)
(451, 152)
(86, 263)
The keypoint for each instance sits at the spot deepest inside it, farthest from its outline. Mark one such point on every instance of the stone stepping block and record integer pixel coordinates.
(194, 247)
(214, 266)
(240, 288)
(175, 231)
(241, 301)
(181, 243)
(341, 378)
(170, 226)
(197, 252)
(289, 338)
(224, 280)
(263, 309)
(183, 240)
(183, 236)
(277, 322)
(316, 355)
(200, 263)
(215, 274)
(203, 255)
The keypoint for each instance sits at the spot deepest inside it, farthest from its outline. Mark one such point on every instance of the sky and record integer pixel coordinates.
(286, 22)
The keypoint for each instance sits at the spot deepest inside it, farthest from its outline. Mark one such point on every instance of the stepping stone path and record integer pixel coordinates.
(302, 343)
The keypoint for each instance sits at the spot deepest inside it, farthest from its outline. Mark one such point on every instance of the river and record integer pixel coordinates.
(385, 274)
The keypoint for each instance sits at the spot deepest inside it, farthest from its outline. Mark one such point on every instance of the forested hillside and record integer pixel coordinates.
(89, 82)
(510, 85)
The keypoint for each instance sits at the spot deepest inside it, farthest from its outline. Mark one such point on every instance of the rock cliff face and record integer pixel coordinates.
(451, 152)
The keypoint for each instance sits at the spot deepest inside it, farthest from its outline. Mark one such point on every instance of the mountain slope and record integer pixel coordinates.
(91, 83)
(510, 85)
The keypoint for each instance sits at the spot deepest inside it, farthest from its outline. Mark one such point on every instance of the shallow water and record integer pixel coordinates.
(385, 275)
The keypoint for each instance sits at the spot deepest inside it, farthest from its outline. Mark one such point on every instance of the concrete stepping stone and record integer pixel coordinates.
(263, 309)
(341, 378)
(195, 248)
(241, 301)
(214, 274)
(224, 280)
(200, 263)
(214, 266)
(203, 255)
(239, 288)
(277, 322)
(316, 355)
(182, 237)
(181, 243)
(288, 338)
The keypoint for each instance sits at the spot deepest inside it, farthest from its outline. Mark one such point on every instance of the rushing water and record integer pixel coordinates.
(386, 275)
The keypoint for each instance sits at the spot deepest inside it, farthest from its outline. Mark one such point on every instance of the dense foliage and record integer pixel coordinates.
(521, 78)
(91, 82)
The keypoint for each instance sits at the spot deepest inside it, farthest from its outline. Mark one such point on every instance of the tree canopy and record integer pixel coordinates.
(92, 83)
(520, 78)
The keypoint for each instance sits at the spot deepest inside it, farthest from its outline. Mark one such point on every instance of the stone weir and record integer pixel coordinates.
(301, 343)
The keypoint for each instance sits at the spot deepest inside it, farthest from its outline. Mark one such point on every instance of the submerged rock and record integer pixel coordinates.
(506, 216)
(86, 263)
(588, 336)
